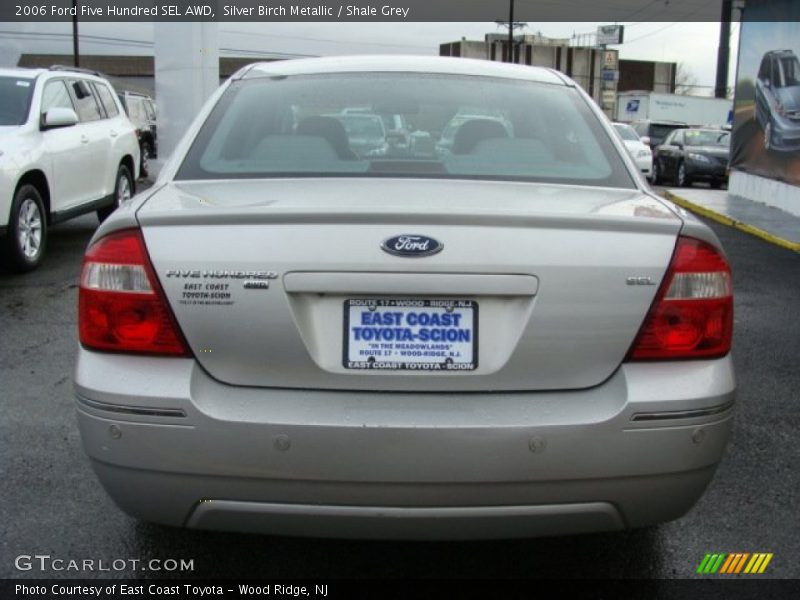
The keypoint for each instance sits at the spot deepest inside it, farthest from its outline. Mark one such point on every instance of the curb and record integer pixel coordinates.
(726, 220)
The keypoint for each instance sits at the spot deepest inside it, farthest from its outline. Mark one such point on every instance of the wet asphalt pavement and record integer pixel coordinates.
(53, 505)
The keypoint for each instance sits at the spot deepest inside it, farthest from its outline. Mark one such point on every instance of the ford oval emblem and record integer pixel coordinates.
(411, 246)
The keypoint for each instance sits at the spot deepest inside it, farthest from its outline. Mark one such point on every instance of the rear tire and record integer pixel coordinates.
(681, 178)
(655, 176)
(716, 184)
(123, 190)
(26, 237)
(144, 162)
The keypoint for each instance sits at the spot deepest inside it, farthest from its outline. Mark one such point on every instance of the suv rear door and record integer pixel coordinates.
(117, 125)
(94, 136)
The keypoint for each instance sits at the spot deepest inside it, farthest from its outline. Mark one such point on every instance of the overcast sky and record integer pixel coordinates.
(693, 44)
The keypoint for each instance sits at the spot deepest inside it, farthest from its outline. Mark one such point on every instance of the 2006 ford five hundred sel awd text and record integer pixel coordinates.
(403, 297)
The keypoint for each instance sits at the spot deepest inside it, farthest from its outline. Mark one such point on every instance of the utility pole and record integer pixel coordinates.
(723, 54)
(511, 31)
(76, 56)
(512, 25)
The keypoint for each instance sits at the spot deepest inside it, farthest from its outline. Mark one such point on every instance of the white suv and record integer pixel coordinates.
(66, 148)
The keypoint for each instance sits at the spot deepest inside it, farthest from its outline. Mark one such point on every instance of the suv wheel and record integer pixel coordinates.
(768, 136)
(123, 190)
(27, 231)
(146, 155)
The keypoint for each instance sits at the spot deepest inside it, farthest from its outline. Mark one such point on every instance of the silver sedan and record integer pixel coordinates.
(514, 337)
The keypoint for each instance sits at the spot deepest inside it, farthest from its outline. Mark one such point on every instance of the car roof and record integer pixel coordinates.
(137, 95)
(662, 122)
(25, 73)
(22, 73)
(780, 52)
(709, 129)
(399, 64)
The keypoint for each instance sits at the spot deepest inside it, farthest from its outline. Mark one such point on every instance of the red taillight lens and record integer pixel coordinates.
(692, 315)
(121, 306)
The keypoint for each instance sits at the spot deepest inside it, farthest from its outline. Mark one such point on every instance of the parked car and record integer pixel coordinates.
(656, 131)
(397, 133)
(778, 100)
(365, 133)
(283, 339)
(66, 148)
(141, 110)
(690, 155)
(638, 148)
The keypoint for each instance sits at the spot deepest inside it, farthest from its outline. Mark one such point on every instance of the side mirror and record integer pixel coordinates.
(645, 139)
(59, 117)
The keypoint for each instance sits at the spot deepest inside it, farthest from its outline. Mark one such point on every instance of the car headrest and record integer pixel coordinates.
(332, 130)
(474, 131)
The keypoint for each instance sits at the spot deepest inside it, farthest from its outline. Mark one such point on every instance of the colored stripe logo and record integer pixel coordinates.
(734, 563)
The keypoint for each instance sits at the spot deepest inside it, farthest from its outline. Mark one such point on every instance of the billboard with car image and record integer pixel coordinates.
(766, 128)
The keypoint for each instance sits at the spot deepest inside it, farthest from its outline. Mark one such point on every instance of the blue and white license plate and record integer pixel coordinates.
(410, 334)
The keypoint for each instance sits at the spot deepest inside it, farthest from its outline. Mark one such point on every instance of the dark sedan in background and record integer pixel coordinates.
(689, 155)
(656, 131)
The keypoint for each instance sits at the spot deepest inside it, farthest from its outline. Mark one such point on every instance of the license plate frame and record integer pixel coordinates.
(454, 350)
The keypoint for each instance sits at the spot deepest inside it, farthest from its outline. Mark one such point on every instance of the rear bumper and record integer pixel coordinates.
(785, 134)
(176, 447)
(645, 165)
(707, 171)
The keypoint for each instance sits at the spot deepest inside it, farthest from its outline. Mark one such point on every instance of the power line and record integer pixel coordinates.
(83, 36)
(624, 24)
(146, 43)
(323, 40)
(645, 7)
(126, 42)
(641, 37)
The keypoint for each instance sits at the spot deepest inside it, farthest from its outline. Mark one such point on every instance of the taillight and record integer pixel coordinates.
(121, 306)
(692, 315)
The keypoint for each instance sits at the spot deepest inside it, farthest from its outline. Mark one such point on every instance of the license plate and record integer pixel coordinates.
(410, 334)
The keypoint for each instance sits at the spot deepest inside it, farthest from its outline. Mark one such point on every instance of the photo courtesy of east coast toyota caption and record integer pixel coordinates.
(404, 297)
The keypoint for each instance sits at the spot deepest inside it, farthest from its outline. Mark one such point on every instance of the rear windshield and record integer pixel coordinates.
(15, 100)
(660, 132)
(362, 126)
(458, 127)
(695, 137)
(626, 132)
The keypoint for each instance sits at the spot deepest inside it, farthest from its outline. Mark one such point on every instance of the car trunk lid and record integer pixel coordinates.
(269, 278)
